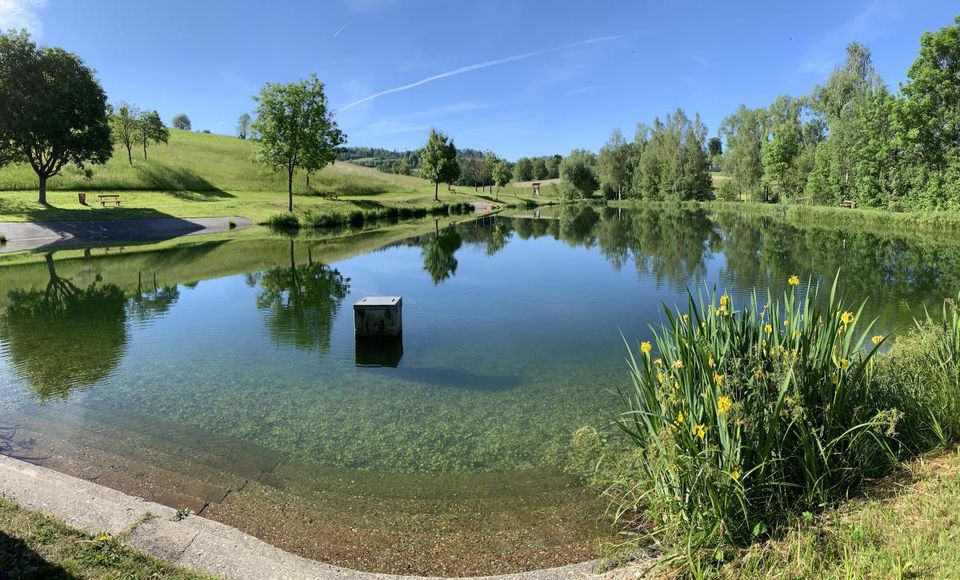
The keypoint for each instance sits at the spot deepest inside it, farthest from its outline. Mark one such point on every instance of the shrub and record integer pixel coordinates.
(745, 417)
(284, 221)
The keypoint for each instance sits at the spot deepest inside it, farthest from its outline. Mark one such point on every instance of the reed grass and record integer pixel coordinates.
(744, 417)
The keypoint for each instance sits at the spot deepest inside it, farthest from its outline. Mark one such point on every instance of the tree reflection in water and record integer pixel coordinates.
(64, 337)
(301, 301)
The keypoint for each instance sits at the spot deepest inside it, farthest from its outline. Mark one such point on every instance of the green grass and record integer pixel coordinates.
(38, 546)
(905, 527)
(201, 175)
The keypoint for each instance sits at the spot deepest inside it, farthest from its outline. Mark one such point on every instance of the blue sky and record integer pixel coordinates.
(518, 77)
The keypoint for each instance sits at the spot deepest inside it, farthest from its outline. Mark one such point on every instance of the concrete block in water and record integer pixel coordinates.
(378, 317)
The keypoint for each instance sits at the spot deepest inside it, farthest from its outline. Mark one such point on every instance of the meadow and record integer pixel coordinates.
(205, 175)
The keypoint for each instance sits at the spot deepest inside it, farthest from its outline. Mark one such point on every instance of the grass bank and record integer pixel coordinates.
(743, 419)
(202, 175)
(38, 546)
(824, 216)
(904, 526)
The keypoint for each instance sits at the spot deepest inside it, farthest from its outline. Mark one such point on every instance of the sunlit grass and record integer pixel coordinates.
(201, 175)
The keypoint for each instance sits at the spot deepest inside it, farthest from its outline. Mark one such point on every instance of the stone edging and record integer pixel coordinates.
(193, 542)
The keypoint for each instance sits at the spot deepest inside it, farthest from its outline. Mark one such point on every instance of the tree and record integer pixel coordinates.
(124, 123)
(540, 170)
(501, 173)
(296, 128)
(715, 147)
(744, 134)
(52, 110)
(243, 125)
(930, 115)
(438, 161)
(523, 169)
(614, 164)
(578, 170)
(553, 166)
(150, 128)
(182, 122)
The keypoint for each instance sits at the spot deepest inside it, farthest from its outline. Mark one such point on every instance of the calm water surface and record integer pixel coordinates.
(512, 332)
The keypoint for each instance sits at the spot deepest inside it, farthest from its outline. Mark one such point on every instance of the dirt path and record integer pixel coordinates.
(57, 235)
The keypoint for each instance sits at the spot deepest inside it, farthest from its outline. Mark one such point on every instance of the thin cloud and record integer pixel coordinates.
(342, 28)
(478, 66)
(17, 14)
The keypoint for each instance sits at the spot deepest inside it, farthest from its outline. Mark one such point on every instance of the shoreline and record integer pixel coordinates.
(193, 541)
(57, 235)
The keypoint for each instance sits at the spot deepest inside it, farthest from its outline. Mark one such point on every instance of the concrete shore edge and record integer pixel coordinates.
(193, 542)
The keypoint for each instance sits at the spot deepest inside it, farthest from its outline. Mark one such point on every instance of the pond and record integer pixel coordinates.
(222, 374)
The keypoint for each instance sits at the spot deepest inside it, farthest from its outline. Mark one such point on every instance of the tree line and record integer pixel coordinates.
(852, 138)
(667, 160)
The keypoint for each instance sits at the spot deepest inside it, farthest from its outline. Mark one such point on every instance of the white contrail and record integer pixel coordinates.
(473, 67)
(342, 28)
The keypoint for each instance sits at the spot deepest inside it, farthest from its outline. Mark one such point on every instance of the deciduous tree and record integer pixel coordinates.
(579, 171)
(52, 109)
(438, 161)
(150, 129)
(182, 122)
(296, 129)
(243, 126)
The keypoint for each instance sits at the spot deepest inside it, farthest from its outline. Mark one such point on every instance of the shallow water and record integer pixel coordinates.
(512, 339)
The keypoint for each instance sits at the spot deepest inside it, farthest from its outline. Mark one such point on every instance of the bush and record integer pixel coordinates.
(284, 221)
(744, 419)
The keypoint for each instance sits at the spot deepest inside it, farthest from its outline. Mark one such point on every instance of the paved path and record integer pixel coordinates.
(58, 235)
(194, 542)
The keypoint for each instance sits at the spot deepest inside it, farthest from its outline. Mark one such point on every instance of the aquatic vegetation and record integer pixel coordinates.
(774, 408)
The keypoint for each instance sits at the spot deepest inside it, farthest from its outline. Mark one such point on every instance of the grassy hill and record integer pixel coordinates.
(203, 175)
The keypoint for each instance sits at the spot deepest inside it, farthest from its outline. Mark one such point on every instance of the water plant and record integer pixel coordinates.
(745, 416)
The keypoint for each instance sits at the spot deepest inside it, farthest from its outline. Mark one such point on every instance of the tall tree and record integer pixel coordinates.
(182, 122)
(52, 109)
(438, 161)
(243, 126)
(540, 170)
(744, 134)
(930, 114)
(613, 164)
(501, 174)
(150, 129)
(296, 128)
(523, 169)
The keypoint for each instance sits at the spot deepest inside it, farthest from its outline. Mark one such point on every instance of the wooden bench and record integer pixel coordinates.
(108, 198)
(849, 203)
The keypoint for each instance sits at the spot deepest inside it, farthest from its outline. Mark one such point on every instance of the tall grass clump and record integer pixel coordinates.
(746, 416)
(284, 221)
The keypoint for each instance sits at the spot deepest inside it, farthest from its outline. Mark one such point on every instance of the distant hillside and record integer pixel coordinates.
(389, 161)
